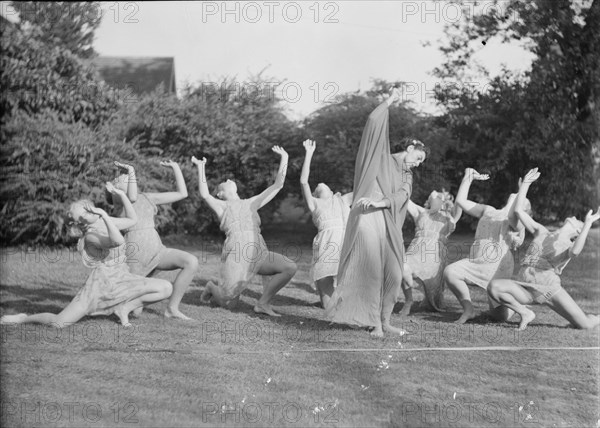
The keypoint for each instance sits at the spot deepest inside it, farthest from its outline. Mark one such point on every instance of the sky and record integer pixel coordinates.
(318, 49)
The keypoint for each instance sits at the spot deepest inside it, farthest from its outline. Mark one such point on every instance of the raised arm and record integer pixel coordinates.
(170, 197)
(519, 205)
(270, 192)
(128, 217)
(456, 213)
(472, 208)
(309, 146)
(132, 190)
(414, 210)
(590, 218)
(215, 204)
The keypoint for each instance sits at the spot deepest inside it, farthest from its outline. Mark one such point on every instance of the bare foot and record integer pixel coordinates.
(526, 318)
(388, 328)
(123, 315)
(265, 309)
(137, 312)
(377, 332)
(13, 319)
(176, 313)
(468, 312)
(406, 309)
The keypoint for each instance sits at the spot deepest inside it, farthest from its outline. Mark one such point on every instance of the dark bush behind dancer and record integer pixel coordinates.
(146, 252)
(538, 280)
(245, 252)
(370, 272)
(110, 287)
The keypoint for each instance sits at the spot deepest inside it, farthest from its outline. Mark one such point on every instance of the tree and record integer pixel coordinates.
(67, 24)
(547, 117)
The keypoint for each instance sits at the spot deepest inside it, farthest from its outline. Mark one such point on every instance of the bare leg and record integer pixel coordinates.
(177, 259)
(461, 290)
(158, 289)
(407, 287)
(386, 314)
(564, 305)
(325, 289)
(282, 271)
(74, 311)
(514, 297)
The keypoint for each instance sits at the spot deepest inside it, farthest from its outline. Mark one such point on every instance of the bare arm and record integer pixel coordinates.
(132, 190)
(310, 147)
(590, 218)
(170, 197)
(215, 204)
(530, 224)
(414, 210)
(270, 192)
(457, 213)
(472, 208)
(128, 217)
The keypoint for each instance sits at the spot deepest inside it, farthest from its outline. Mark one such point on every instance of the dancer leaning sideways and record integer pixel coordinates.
(110, 288)
(146, 253)
(245, 252)
(329, 214)
(538, 279)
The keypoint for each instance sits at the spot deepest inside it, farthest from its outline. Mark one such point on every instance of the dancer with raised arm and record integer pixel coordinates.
(110, 287)
(426, 254)
(145, 250)
(370, 271)
(538, 280)
(245, 252)
(329, 214)
(490, 257)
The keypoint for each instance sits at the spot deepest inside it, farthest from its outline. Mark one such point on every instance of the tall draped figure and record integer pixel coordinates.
(370, 270)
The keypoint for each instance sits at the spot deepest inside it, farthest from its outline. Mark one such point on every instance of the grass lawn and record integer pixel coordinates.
(236, 368)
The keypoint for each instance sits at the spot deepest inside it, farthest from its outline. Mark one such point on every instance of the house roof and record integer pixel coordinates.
(140, 74)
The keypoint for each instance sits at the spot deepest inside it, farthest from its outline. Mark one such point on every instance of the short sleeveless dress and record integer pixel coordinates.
(490, 255)
(330, 217)
(426, 254)
(110, 283)
(144, 247)
(244, 249)
(544, 261)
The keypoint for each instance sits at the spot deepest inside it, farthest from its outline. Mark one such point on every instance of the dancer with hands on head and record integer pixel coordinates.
(329, 214)
(490, 257)
(538, 280)
(110, 287)
(146, 252)
(425, 261)
(245, 252)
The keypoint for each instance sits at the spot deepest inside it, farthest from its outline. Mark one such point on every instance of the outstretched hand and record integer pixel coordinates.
(471, 174)
(113, 190)
(531, 176)
(309, 146)
(280, 151)
(169, 162)
(123, 166)
(199, 162)
(367, 203)
(592, 217)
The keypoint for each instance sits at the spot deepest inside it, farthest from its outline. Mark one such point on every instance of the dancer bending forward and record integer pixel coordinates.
(245, 253)
(110, 288)
(426, 254)
(329, 214)
(145, 250)
(370, 272)
(490, 257)
(538, 280)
